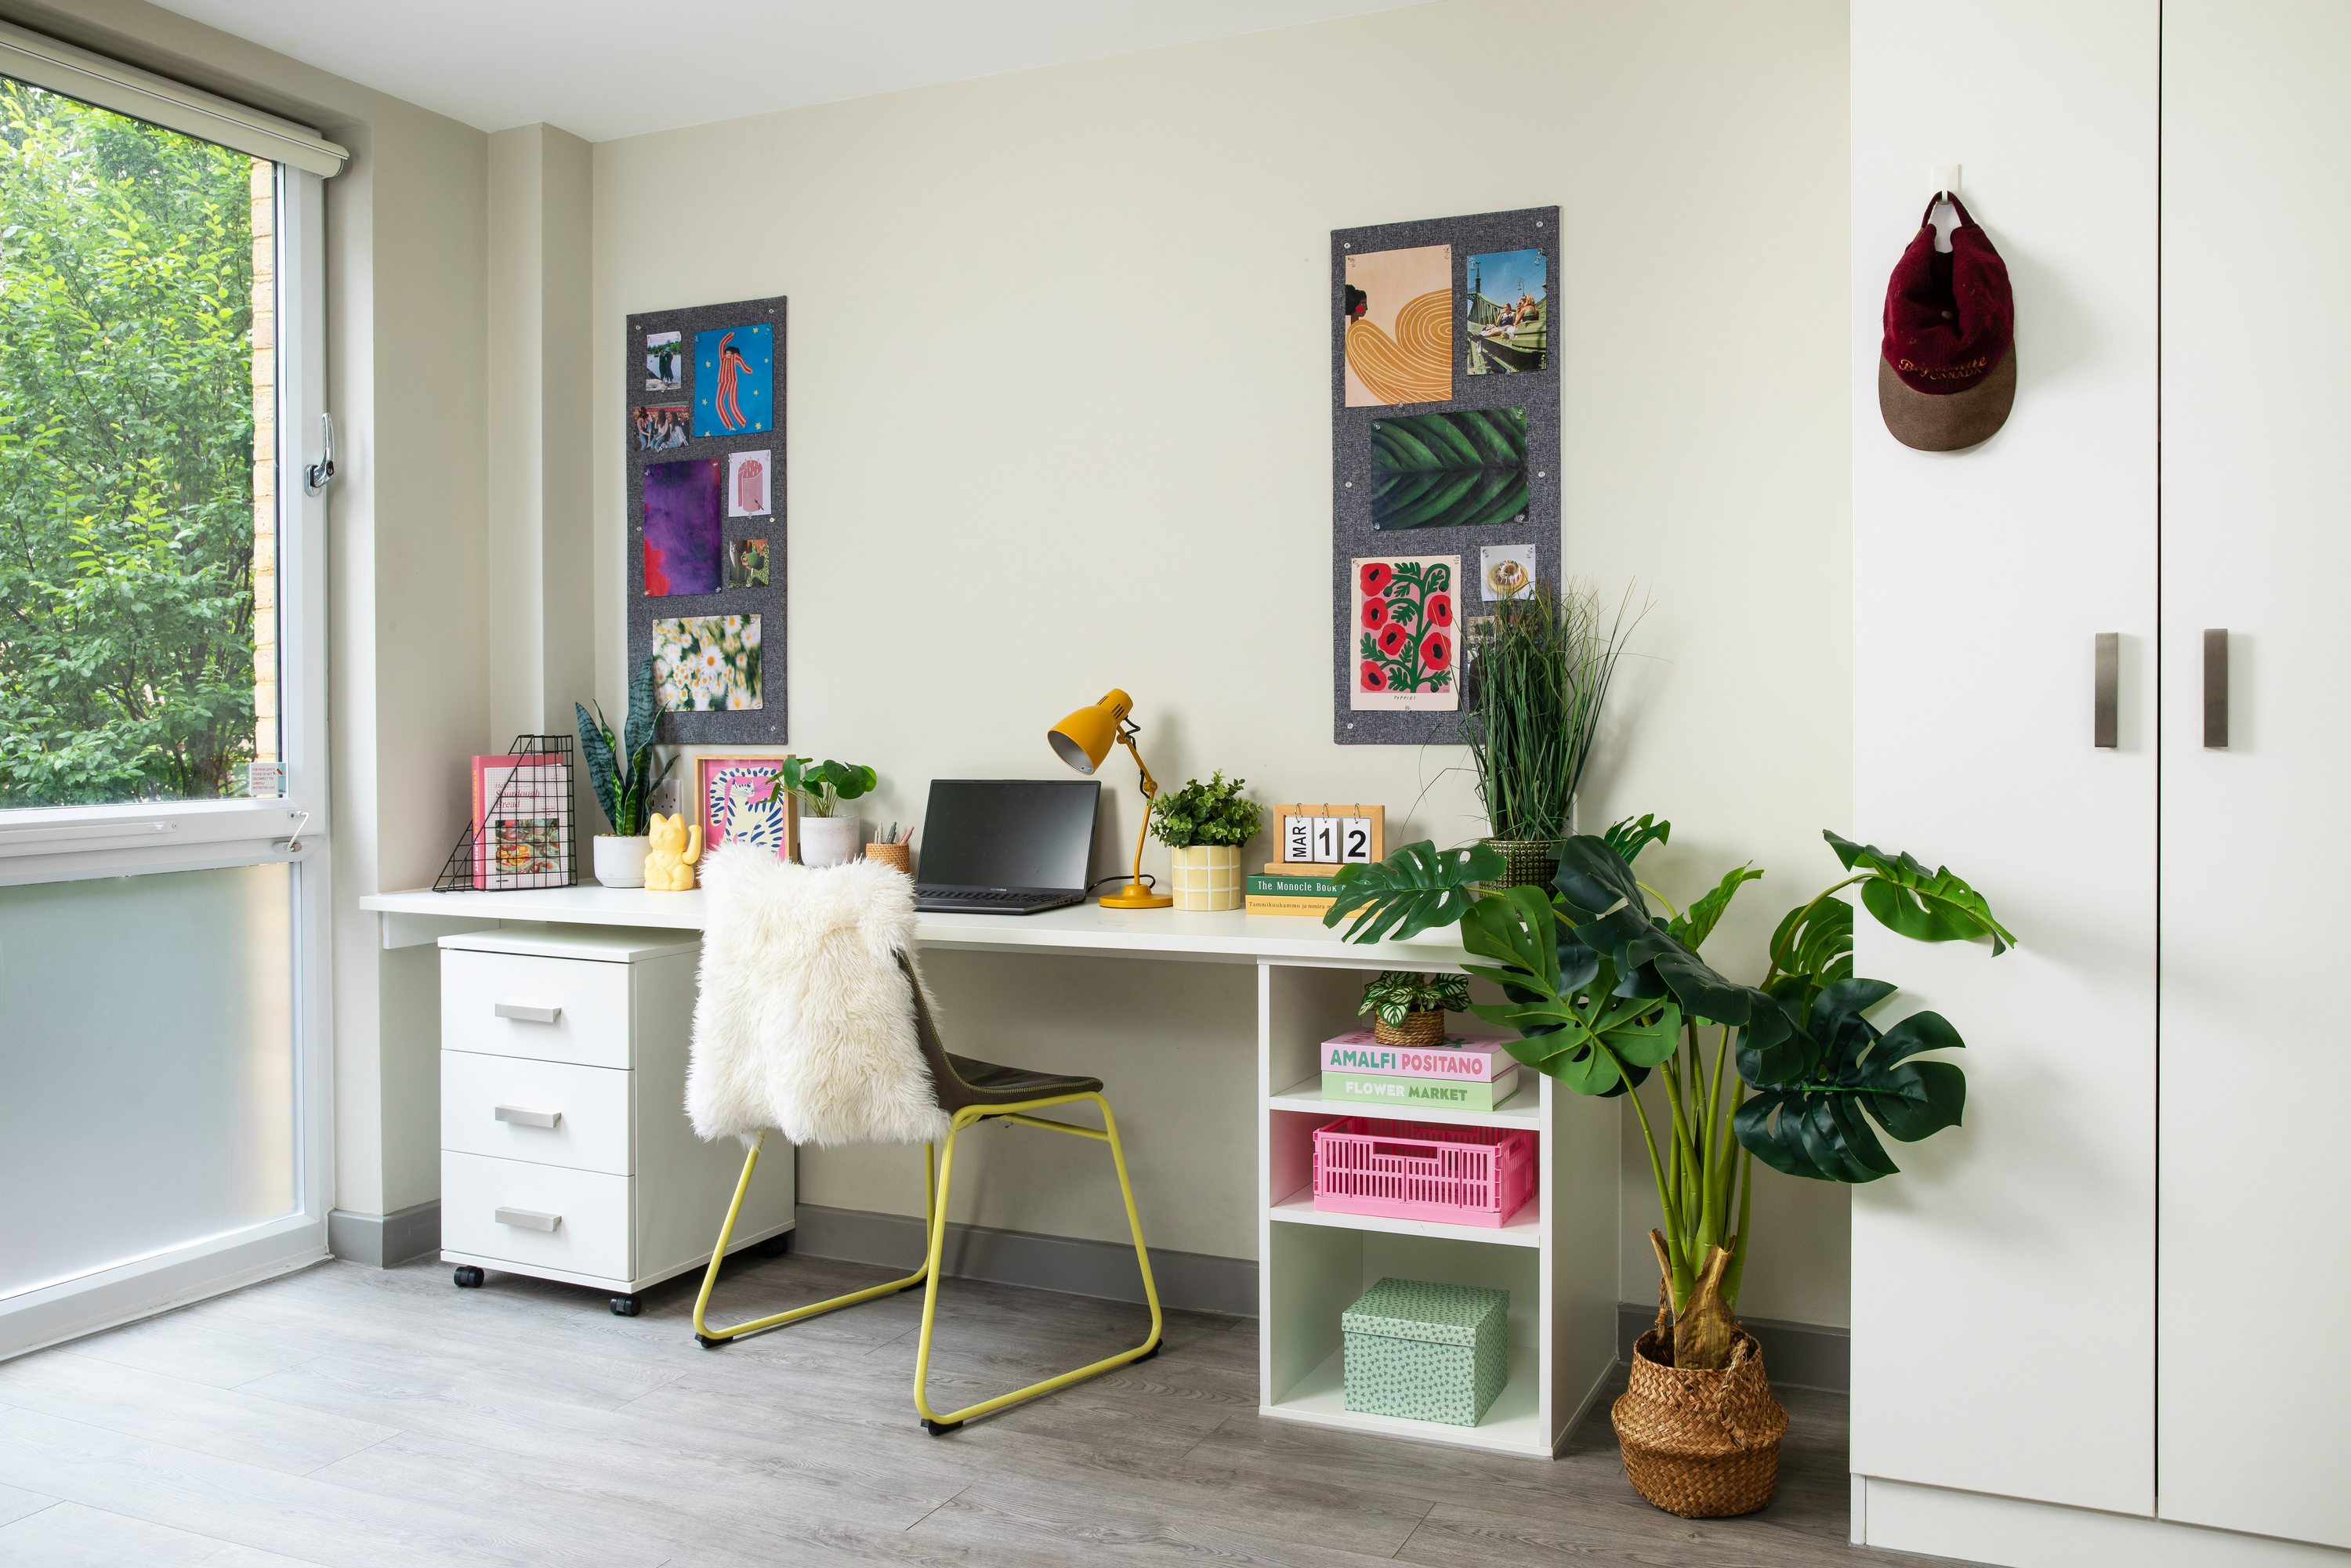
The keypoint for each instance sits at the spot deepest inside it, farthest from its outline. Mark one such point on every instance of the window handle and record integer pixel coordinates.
(315, 477)
(2104, 660)
(525, 1013)
(2216, 687)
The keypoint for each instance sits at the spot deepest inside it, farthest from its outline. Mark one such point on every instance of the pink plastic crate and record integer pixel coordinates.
(1405, 1170)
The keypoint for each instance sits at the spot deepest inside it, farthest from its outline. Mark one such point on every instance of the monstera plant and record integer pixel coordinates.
(1604, 993)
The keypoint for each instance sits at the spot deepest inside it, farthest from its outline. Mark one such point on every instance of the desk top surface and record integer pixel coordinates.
(1230, 936)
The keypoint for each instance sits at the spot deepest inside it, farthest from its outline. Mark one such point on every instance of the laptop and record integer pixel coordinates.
(1006, 846)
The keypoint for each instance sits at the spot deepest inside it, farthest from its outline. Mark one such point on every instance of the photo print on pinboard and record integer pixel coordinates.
(706, 662)
(684, 530)
(749, 475)
(734, 381)
(659, 427)
(1404, 654)
(1508, 329)
(665, 361)
(747, 563)
(1399, 325)
(1461, 470)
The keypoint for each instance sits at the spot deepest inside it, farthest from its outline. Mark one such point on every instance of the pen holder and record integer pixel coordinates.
(899, 855)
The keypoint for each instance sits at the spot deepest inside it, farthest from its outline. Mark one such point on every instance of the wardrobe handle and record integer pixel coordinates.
(2106, 656)
(2216, 687)
(522, 1118)
(527, 1218)
(525, 1012)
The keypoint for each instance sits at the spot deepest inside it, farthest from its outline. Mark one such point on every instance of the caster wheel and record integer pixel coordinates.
(939, 1428)
(707, 1343)
(468, 1277)
(626, 1306)
(776, 1246)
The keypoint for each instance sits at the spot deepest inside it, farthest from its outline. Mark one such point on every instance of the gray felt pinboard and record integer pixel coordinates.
(1353, 470)
(742, 727)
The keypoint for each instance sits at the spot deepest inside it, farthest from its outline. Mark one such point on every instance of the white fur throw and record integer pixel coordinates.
(806, 1022)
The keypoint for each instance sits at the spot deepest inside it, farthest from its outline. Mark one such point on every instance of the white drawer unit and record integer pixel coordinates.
(564, 1150)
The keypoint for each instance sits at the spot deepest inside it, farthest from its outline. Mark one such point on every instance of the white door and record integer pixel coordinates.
(2013, 1257)
(2252, 1373)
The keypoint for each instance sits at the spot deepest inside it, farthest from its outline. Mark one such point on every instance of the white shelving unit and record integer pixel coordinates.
(1556, 1256)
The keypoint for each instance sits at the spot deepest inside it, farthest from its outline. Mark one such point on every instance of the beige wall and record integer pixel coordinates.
(405, 319)
(1058, 419)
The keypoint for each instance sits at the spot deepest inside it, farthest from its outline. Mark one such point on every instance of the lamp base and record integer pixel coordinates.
(1135, 895)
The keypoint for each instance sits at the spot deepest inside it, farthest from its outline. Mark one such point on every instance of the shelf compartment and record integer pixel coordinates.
(1523, 1229)
(1513, 1422)
(1523, 1109)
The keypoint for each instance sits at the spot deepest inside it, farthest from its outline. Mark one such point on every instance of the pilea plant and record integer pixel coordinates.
(821, 787)
(1603, 993)
(625, 780)
(1210, 813)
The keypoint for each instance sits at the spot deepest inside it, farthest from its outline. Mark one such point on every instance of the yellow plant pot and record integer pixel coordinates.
(1206, 876)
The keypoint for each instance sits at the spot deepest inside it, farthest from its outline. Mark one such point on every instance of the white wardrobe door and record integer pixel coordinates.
(2014, 1258)
(2253, 1373)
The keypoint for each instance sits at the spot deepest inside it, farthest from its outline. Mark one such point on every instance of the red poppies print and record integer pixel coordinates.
(1404, 642)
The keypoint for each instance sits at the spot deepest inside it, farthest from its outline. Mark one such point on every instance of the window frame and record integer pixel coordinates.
(67, 844)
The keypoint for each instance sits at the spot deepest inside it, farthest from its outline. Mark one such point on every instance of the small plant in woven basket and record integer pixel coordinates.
(1409, 1009)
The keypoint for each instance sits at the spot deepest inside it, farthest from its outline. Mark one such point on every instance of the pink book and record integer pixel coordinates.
(1469, 1061)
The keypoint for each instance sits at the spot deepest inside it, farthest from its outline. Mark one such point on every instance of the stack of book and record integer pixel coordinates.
(1458, 1075)
(1295, 890)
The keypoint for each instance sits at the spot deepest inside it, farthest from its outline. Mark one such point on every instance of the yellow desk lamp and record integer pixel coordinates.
(1083, 740)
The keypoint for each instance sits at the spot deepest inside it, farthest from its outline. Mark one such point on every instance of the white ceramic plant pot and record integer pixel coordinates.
(1206, 876)
(620, 862)
(831, 841)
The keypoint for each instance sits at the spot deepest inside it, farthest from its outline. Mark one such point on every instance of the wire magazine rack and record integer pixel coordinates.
(522, 832)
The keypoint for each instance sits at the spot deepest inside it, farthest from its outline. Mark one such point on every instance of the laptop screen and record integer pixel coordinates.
(1009, 833)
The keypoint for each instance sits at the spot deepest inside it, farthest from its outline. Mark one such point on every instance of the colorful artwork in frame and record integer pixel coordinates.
(685, 528)
(706, 662)
(1405, 657)
(730, 790)
(1399, 321)
(734, 380)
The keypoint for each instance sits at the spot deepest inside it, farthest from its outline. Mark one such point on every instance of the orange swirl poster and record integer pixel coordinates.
(1400, 327)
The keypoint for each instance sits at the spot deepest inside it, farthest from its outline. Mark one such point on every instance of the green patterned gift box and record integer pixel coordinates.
(1425, 1352)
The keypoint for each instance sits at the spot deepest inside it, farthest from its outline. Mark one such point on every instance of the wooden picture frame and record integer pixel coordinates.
(1354, 834)
(714, 774)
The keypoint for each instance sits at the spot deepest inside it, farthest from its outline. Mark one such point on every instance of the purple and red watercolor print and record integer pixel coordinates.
(685, 528)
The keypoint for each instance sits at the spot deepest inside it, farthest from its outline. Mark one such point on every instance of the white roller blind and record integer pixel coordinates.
(94, 79)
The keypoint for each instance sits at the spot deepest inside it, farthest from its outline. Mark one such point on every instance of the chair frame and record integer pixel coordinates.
(934, 1203)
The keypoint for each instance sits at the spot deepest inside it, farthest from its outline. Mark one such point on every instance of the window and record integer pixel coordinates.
(138, 517)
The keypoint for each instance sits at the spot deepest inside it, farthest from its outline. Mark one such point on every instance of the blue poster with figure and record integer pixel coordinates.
(735, 381)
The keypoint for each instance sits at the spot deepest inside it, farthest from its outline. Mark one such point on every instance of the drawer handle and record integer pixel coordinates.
(522, 1118)
(525, 1013)
(528, 1219)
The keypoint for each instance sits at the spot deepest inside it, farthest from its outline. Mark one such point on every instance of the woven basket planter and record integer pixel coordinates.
(1423, 1027)
(1526, 862)
(1701, 1444)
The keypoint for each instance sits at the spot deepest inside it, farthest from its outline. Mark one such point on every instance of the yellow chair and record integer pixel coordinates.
(969, 1092)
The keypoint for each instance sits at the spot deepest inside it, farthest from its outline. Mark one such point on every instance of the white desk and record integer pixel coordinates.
(1557, 1257)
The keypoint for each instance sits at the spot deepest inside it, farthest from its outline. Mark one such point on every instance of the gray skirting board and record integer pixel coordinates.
(1804, 1355)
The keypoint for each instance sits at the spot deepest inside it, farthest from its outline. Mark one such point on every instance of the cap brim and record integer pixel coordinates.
(1947, 421)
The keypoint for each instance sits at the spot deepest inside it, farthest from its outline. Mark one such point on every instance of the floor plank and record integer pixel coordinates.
(353, 1417)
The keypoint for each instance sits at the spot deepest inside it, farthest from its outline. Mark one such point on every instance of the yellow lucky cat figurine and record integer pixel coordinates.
(669, 863)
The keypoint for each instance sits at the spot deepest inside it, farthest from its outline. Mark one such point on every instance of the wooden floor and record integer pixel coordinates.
(351, 1416)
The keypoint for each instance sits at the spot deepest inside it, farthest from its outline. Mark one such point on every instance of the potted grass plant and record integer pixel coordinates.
(621, 771)
(1203, 827)
(1611, 998)
(826, 836)
(1537, 678)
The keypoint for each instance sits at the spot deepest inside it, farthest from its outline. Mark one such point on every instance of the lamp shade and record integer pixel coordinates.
(1085, 738)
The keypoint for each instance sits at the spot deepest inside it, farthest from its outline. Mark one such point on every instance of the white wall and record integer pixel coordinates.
(405, 313)
(1057, 418)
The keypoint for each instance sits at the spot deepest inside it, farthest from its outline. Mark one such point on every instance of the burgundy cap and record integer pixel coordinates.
(1948, 374)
